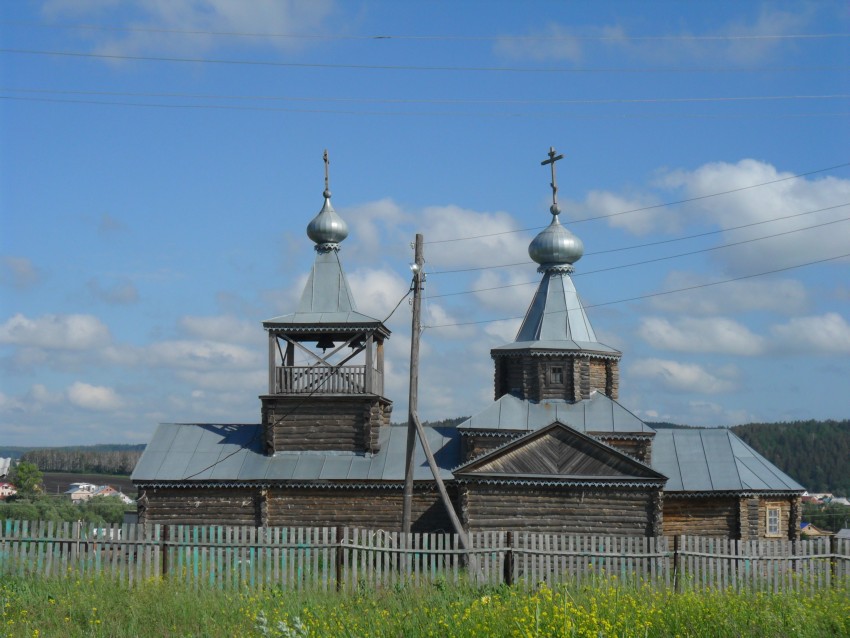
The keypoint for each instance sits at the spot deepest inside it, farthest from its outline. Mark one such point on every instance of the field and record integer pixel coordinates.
(99, 607)
(58, 482)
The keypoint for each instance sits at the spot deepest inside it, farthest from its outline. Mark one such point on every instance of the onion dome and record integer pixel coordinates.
(327, 228)
(555, 247)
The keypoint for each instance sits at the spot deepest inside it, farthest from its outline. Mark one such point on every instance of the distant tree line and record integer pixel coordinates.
(813, 453)
(91, 460)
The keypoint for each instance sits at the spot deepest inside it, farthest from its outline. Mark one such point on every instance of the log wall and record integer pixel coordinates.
(190, 506)
(702, 516)
(530, 376)
(637, 448)
(570, 510)
(473, 445)
(326, 423)
(365, 508)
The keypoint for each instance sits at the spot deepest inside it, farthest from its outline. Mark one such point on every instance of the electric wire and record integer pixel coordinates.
(427, 68)
(652, 243)
(648, 261)
(438, 37)
(645, 208)
(655, 294)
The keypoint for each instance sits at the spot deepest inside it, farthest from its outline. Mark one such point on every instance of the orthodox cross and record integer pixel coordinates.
(554, 184)
(327, 164)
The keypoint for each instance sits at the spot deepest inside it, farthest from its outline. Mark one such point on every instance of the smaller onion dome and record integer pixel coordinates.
(555, 246)
(327, 228)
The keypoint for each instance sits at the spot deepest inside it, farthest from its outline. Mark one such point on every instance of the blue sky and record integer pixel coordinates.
(159, 163)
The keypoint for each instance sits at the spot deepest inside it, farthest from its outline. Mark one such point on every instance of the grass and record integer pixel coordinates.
(102, 607)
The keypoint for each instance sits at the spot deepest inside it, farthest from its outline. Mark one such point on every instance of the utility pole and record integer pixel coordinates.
(413, 396)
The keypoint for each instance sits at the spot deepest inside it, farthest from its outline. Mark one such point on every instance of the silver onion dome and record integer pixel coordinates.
(555, 246)
(327, 228)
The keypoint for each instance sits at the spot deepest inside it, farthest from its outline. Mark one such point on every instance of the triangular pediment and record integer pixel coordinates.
(558, 451)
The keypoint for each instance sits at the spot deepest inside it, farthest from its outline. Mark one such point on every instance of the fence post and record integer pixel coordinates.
(508, 575)
(339, 557)
(833, 559)
(677, 563)
(163, 550)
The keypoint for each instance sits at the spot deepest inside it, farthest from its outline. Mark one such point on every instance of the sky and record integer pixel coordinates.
(160, 161)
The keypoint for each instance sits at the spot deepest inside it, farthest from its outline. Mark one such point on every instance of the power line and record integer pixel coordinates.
(652, 243)
(476, 101)
(411, 67)
(439, 37)
(651, 207)
(655, 294)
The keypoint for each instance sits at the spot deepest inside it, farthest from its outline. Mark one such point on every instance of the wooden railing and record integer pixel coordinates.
(326, 558)
(327, 380)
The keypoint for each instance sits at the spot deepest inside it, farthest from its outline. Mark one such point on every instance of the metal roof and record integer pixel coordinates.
(714, 460)
(556, 319)
(326, 300)
(201, 452)
(599, 413)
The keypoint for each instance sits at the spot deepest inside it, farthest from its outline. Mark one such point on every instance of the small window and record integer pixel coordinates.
(556, 374)
(773, 521)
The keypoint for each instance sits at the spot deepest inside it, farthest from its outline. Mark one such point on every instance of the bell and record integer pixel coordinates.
(325, 342)
(356, 343)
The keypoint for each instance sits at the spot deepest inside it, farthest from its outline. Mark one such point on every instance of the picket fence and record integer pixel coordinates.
(327, 558)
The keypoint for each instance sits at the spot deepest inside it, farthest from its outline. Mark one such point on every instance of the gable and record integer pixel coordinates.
(558, 451)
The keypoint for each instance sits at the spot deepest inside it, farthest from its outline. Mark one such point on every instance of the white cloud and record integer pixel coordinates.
(640, 222)
(689, 334)
(223, 328)
(784, 296)
(376, 292)
(202, 355)
(374, 226)
(683, 377)
(827, 334)
(18, 272)
(765, 204)
(552, 42)
(61, 332)
(92, 397)
(192, 25)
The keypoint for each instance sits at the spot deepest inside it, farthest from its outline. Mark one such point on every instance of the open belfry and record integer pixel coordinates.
(554, 452)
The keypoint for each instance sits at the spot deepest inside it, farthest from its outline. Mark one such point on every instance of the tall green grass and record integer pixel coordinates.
(101, 607)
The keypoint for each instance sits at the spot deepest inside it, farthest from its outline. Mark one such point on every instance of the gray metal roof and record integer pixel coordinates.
(556, 319)
(199, 452)
(599, 413)
(714, 460)
(326, 300)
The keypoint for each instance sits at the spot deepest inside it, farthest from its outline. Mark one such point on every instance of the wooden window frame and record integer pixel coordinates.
(559, 370)
(769, 509)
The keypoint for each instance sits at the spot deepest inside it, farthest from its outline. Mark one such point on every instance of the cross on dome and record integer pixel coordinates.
(554, 183)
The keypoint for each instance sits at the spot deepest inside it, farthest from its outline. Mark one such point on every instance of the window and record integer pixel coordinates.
(556, 374)
(773, 521)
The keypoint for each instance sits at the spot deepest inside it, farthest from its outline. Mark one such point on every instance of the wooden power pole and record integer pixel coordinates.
(413, 396)
(414, 426)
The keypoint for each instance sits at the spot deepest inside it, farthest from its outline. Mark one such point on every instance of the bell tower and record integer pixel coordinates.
(556, 354)
(331, 400)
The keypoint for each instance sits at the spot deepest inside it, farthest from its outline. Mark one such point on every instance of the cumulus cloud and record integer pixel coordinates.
(374, 226)
(191, 25)
(376, 291)
(683, 377)
(617, 208)
(827, 334)
(93, 397)
(784, 296)
(18, 272)
(60, 332)
(689, 334)
(223, 328)
(202, 355)
(551, 42)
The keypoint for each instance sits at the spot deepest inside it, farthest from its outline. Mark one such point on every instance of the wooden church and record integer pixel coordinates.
(554, 452)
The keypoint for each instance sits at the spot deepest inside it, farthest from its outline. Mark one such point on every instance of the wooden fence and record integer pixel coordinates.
(328, 558)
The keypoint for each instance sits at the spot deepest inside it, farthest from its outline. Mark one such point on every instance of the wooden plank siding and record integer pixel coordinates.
(529, 376)
(349, 559)
(364, 507)
(559, 509)
(336, 423)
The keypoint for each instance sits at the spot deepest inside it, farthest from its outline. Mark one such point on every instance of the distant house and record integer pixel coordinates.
(80, 492)
(807, 529)
(7, 490)
(843, 534)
